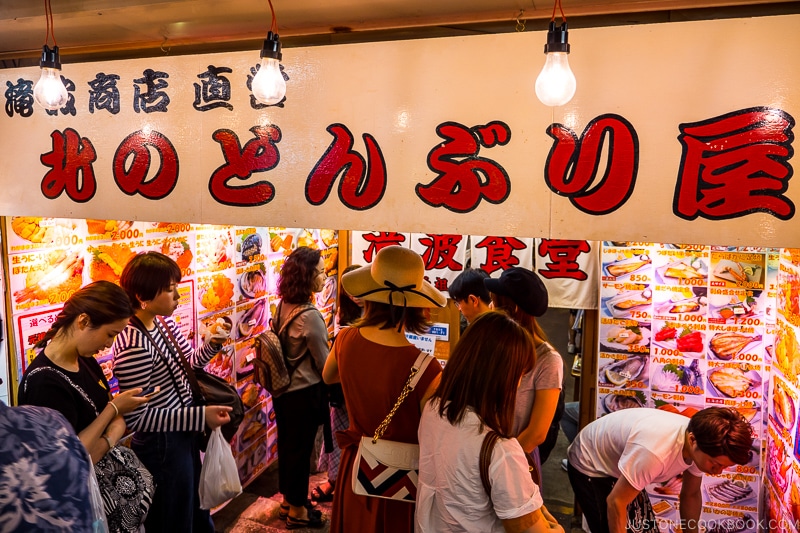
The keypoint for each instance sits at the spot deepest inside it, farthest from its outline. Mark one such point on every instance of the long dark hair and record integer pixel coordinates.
(147, 275)
(347, 311)
(296, 284)
(484, 370)
(102, 301)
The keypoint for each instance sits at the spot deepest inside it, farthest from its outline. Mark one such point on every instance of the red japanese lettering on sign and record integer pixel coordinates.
(259, 154)
(440, 250)
(363, 182)
(572, 164)
(71, 163)
(736, 164)
(563, 256)
(132, 176)
(380, 240)
(463, 178)
(500, 252)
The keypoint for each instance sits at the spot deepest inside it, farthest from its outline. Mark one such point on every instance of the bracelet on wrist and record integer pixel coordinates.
(108, 440)
(116, 410)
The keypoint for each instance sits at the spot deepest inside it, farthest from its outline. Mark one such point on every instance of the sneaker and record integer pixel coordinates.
(564, 465)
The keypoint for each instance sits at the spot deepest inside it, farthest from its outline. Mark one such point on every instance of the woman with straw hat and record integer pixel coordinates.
(372, 360)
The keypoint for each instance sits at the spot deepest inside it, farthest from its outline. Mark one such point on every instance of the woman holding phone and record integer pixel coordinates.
(65, 376)
(151, 351)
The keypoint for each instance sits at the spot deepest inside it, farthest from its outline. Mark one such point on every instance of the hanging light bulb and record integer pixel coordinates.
(269, 87)
(556, 84)
(49, 92)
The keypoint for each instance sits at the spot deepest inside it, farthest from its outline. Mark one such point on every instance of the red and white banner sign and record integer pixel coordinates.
(660, 143)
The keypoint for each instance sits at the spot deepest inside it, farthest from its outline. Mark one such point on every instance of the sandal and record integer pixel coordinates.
(319, 495)
(283, 513)
(313, 521)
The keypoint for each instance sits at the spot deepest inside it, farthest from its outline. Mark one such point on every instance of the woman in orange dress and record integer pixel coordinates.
(373, 360)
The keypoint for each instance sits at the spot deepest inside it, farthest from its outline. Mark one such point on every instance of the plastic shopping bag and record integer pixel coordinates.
(99, 523)
(219, 479)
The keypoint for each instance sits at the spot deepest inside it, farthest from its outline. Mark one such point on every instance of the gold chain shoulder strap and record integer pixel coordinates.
(417, 369)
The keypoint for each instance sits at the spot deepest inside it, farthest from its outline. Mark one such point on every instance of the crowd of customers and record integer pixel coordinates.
(481, 426)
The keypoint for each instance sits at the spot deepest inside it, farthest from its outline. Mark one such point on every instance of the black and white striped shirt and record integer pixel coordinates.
(138, 364)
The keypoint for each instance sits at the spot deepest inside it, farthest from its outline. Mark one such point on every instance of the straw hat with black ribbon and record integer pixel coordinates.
(395, 277)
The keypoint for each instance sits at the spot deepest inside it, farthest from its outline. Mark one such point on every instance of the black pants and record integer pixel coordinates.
(591, 494)
(298, 414)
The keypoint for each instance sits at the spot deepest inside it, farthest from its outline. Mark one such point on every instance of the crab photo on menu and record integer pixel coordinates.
(737, 270)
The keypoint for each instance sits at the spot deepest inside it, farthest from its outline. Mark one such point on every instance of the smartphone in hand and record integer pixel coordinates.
(149, 391)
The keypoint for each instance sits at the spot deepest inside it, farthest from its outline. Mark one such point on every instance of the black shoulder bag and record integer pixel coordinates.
(207, 389)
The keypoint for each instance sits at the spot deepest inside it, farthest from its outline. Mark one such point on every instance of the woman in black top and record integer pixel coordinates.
(65, 368)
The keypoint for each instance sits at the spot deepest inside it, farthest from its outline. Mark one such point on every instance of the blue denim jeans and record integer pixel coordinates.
(174, 460)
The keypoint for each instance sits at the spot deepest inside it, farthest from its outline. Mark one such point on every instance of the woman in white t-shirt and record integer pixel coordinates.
(476, 396)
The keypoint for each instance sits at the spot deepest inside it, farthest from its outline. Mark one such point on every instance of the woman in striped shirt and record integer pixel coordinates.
(167, 428)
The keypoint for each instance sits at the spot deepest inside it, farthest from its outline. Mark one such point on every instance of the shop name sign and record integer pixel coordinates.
(183, 139)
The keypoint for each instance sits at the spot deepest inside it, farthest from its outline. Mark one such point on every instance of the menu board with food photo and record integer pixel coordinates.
(221, 364)
(45, 277)
(782, 481)
(213, 321)
(250, 319)
(252, 281)
(107, 260)
(243, 364)
(744, 270)
(625, 336)
(37, 233)
(215, 250)
(251, 445)
(628, 301)
(30, 329)
(681, 267)
(217, 291)
(679, 339)
(684, 327)
(632, 265)
(282, 240)
(250, 245)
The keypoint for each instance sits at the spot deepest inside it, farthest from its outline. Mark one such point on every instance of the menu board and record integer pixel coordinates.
(229, 274)
(683, 328)
(782, 468)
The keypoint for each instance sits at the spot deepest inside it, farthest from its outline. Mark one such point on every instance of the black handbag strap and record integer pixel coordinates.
(69, 382)
(138, 324)
(487, 448)
(197, 393)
